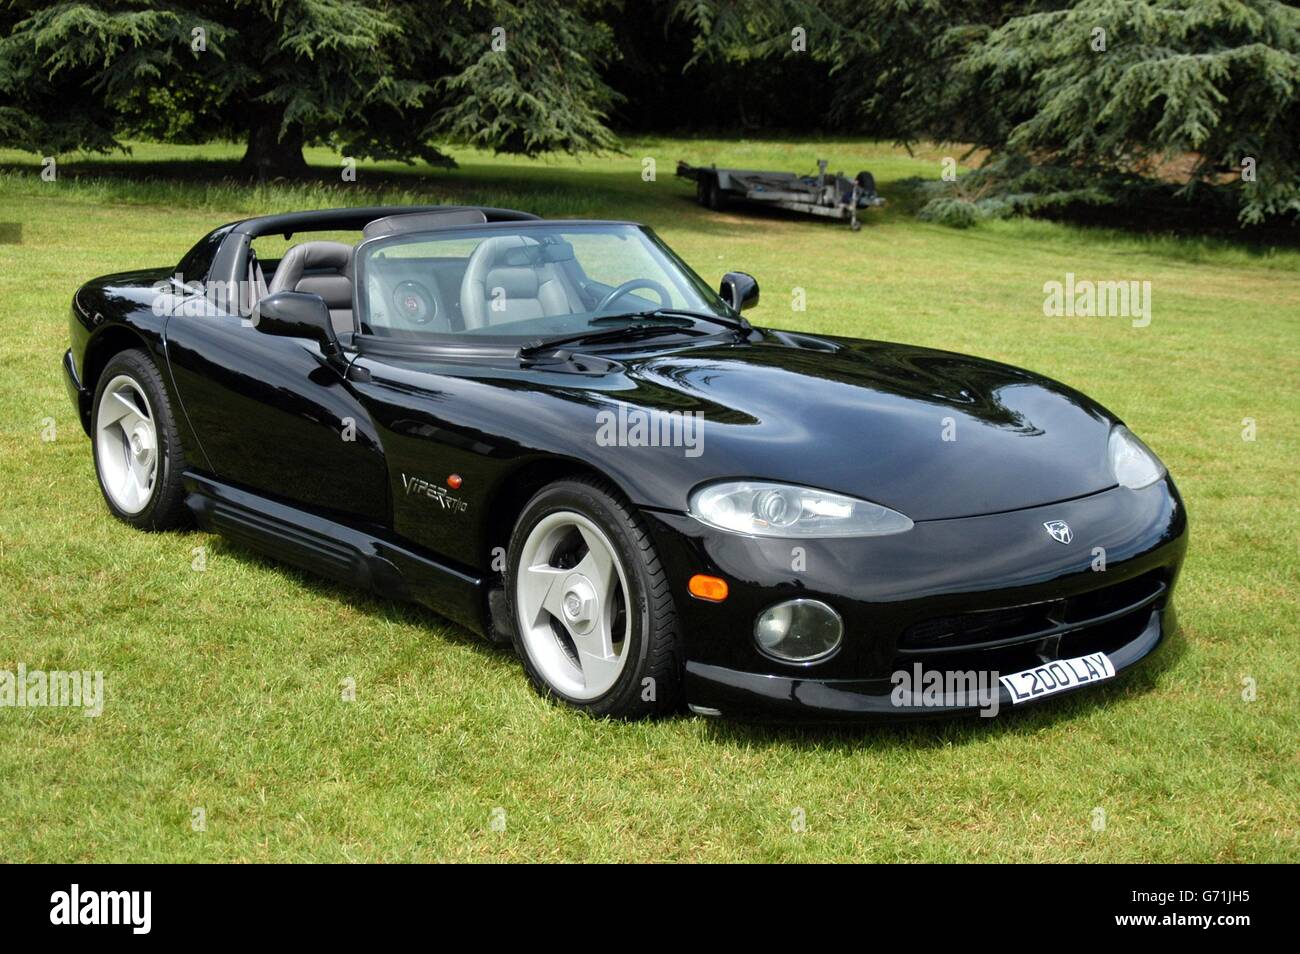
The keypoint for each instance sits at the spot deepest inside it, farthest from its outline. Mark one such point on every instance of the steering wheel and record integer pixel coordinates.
(665, 299)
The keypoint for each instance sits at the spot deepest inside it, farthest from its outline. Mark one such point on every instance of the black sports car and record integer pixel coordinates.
(556, 434)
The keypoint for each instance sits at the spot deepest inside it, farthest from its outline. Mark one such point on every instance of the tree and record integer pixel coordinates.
(380, 79)
(1205, 93)
(893, 63)
(1197, 95)
(546, 94)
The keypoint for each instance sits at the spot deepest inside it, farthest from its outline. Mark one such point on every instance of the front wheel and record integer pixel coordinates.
(594, 621)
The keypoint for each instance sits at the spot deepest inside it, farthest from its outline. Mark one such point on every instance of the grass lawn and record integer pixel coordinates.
(223, 686)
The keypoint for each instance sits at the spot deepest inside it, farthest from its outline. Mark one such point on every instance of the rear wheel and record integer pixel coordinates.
(592, 614)
(137, 451)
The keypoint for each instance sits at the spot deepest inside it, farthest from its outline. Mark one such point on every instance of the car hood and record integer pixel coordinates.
(929, 433)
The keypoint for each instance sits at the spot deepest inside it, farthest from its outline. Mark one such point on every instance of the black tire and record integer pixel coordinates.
(716, 198)
(655, 650)
(165, 508)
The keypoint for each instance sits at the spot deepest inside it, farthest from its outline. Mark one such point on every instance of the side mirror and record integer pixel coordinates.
(740, 290)
(297, 315)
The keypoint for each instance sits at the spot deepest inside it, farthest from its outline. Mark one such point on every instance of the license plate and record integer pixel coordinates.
(1057, 676)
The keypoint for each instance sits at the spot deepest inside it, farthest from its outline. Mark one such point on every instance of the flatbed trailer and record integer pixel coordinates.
(831, 196)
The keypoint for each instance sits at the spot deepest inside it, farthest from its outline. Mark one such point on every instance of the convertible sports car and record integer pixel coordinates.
(557, 435)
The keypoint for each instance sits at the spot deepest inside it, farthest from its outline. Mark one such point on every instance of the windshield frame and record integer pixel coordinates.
(485, 344)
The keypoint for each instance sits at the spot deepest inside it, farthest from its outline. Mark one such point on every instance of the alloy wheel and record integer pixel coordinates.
(127, 444)
(571, 597)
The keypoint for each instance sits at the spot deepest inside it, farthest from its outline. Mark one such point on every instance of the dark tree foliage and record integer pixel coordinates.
(1201, 95)
(666, 87)
(892, 64)
(1191, 91)
(376, 78)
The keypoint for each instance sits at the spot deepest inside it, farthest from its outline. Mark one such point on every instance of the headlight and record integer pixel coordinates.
(1132, 462)
(783, 510)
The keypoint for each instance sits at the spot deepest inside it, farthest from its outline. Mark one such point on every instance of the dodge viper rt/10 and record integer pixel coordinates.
(558, 435)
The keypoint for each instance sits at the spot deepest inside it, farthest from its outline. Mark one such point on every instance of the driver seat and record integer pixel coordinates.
(321, 268)
(531, 287)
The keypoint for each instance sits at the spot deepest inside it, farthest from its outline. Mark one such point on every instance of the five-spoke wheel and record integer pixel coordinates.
(127, 444)
(594, 620)
(138, 455)
(571, 595)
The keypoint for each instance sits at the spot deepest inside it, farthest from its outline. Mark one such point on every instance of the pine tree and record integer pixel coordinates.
(374, 78)
(1205, 93)
(1089, 101)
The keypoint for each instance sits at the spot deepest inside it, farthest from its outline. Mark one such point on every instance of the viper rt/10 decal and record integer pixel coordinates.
(421, 487)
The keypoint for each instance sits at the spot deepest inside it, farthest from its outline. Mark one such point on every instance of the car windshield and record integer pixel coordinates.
(526, 281)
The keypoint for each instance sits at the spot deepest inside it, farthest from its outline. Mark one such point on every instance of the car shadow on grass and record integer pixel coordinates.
(393, 611)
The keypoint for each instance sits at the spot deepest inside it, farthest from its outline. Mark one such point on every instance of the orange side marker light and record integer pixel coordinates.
(709, 588)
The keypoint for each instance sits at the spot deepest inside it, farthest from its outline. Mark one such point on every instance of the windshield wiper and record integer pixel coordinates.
(739, 323)
(628, 333)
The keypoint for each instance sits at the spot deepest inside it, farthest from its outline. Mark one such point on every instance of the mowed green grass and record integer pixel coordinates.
(224, 686)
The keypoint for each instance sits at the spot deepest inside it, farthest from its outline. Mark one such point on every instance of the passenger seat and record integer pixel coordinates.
(321, 268)
(530, 284)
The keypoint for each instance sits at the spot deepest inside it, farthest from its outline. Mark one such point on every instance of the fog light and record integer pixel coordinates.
(799, 631)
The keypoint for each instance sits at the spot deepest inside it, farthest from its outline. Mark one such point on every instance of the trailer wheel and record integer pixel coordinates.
(714, 197)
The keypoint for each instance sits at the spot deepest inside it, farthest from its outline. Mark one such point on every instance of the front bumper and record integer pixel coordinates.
(747, 695)
(989, 594)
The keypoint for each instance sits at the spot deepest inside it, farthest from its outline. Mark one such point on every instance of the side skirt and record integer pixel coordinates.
(336, 550)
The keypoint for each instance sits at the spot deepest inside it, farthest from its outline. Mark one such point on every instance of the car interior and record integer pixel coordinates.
(494, 281)
(504, 279)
